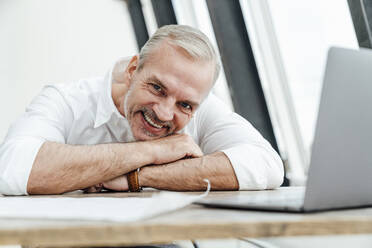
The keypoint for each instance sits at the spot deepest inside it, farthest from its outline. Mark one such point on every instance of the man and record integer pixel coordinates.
(151, 120)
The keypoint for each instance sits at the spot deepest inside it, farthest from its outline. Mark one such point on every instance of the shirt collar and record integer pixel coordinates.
(105, 105)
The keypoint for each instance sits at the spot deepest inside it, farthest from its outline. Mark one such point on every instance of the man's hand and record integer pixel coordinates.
(117, 184)
(165, 150)
(175, 147)
(94, 189)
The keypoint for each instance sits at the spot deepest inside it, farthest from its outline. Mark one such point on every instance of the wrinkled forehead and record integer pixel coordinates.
(190, 77)
(174, 65)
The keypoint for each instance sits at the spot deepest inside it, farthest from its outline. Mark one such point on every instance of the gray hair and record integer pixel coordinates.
(194, 42)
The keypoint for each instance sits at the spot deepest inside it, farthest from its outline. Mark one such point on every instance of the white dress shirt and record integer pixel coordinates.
(83, 112)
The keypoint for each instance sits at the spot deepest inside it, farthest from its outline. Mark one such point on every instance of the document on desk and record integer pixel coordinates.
(94, 208)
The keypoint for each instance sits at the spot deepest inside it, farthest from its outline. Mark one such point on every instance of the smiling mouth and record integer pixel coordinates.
(152, 122)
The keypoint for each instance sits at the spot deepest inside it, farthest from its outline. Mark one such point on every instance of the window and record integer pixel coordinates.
(290, 40)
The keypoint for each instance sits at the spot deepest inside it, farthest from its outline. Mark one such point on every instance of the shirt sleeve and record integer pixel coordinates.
(46, 118)
(256, 164)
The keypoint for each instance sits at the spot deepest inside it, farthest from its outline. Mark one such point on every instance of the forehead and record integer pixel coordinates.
(179, 72)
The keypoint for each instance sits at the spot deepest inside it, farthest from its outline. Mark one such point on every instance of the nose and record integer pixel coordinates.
(164, 109)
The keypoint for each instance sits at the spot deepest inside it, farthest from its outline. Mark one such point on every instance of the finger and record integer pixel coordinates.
(198, 153)
(195, 155)
(91, 189)
(117, 184)
(94, 189)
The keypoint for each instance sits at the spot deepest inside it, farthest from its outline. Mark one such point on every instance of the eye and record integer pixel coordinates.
(156, 87)
(185, 105)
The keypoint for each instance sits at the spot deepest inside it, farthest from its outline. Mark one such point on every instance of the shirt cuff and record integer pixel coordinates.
(16, 159)
(255, 167)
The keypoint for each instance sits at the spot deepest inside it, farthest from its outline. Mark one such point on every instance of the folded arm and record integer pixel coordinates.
(60, 168)
(182, 175)
(188, 174)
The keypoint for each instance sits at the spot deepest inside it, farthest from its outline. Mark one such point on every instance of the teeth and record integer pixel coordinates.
(148, 119)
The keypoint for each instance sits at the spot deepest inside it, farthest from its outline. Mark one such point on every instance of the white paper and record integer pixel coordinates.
(95, 208)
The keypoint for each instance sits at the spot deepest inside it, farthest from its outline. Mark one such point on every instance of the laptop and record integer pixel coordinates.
(340, 172)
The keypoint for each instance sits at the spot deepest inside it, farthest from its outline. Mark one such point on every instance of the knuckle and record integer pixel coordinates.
(189, 139)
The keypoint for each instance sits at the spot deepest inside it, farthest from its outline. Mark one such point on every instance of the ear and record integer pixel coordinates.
(131, 68)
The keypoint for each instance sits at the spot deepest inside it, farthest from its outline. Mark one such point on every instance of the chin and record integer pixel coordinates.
(145, 137)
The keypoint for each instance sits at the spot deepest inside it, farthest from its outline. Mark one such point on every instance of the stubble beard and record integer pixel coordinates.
(127, 114)
(131, 137)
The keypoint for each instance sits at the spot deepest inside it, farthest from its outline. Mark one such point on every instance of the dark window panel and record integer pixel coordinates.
(138, 22)
(239, 65)
(164, 12)
(361, 13)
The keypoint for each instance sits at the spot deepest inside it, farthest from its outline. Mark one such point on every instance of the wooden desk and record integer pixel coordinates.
(192, 222)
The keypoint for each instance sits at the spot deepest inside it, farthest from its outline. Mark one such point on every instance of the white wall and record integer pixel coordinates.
(53, 41)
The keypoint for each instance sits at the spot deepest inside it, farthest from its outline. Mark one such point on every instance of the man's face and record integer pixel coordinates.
(165, 93)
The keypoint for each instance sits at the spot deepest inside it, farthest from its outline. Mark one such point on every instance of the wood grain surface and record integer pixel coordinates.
(192, 222)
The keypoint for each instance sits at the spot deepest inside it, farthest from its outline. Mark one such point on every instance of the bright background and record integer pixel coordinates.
(54, 41)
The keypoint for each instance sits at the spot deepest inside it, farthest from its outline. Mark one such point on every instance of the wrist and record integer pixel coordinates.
(142, 177)
(133, 181)
(151, 149)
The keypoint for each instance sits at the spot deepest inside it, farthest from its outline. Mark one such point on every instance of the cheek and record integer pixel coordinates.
(181, 121)
(133, 103)
(142, 97)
